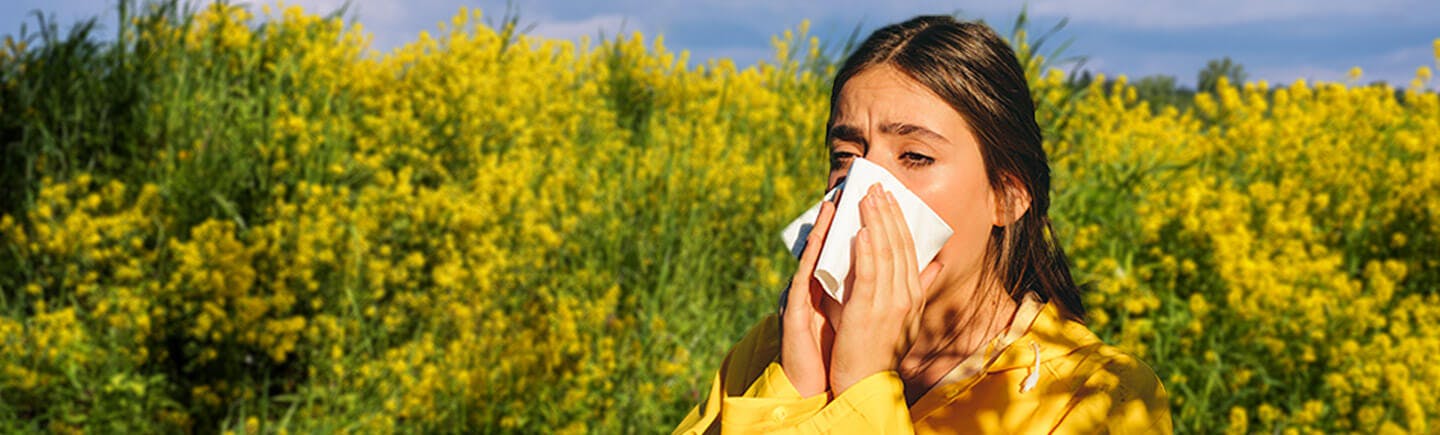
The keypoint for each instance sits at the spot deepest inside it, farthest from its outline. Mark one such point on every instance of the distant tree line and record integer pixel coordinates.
(1162, 90)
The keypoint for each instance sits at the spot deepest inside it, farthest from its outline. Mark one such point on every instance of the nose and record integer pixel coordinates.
(876, 155)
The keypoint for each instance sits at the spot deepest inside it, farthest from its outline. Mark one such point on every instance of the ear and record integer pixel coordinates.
(1010, 202)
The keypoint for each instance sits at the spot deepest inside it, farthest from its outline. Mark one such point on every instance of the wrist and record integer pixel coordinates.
(842, 380)
(802, 377)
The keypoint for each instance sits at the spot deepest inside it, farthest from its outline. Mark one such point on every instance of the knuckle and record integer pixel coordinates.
(864, 272)
(883, 251)
(865, 275)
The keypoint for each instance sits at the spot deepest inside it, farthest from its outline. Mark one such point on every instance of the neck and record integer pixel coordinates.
(958, 322)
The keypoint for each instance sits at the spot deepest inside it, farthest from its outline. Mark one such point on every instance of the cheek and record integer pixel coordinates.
(963, 199)
(960, 195)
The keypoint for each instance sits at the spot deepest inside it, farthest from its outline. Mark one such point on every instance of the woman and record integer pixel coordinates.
(989, 337)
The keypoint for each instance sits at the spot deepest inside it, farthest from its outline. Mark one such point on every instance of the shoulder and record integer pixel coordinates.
(1087, 363)
(1121, 390)
(1092, 365)
(748, 357)
(1122, 374)
(1107, 388)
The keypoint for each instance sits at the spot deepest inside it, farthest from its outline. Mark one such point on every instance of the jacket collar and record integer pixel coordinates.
(1056, 336)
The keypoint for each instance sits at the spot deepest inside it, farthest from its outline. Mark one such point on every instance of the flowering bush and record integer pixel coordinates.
(259, 224)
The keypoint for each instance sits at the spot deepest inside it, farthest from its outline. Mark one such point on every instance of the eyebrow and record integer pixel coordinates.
(903, 129)
(848, 133)
(852, 133)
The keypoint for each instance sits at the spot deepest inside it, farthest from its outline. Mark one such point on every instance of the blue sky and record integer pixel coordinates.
(1276, 40)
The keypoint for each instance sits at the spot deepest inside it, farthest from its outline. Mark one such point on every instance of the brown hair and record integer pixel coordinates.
(976, 72)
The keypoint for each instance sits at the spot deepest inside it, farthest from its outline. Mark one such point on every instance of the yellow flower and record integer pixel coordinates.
(1239, 421)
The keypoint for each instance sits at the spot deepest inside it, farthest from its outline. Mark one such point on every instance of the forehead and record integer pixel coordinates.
(883, 94)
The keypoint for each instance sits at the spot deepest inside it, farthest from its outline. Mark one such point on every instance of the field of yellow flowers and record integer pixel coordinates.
(235, 219)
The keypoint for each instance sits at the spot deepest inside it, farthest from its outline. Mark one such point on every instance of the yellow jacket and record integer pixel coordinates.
(1081, 386)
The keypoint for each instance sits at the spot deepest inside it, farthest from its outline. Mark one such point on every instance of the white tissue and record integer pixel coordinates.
(927, 229)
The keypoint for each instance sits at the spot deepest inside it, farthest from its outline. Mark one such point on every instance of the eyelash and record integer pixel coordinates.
(915, 160)
(909, 159)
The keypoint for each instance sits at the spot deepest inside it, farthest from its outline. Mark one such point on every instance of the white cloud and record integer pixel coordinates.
(606, 24)
(1182, 14)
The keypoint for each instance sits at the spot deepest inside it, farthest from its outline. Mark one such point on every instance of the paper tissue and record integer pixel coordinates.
(927, 229)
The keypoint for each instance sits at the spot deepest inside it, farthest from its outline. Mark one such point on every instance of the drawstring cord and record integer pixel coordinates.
(1030, 381)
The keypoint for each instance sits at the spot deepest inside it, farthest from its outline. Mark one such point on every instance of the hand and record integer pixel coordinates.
(880, 318)
(804, 334)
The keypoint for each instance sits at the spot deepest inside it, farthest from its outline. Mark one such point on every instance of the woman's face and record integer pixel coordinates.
(886, 117)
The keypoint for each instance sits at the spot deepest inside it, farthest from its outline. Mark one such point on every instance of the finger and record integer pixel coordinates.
(797, 301)
(800, 294)
(908, 273)
(864, 258)
(813, 242)
(904, 240)
(820, 229)
(881, 247)
(904, 273)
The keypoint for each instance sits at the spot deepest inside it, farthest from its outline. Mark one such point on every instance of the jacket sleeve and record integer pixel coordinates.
(875, 405)
(771, 404)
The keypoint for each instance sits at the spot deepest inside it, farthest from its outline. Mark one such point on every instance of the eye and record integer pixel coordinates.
(914, 159)
(841, 158)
